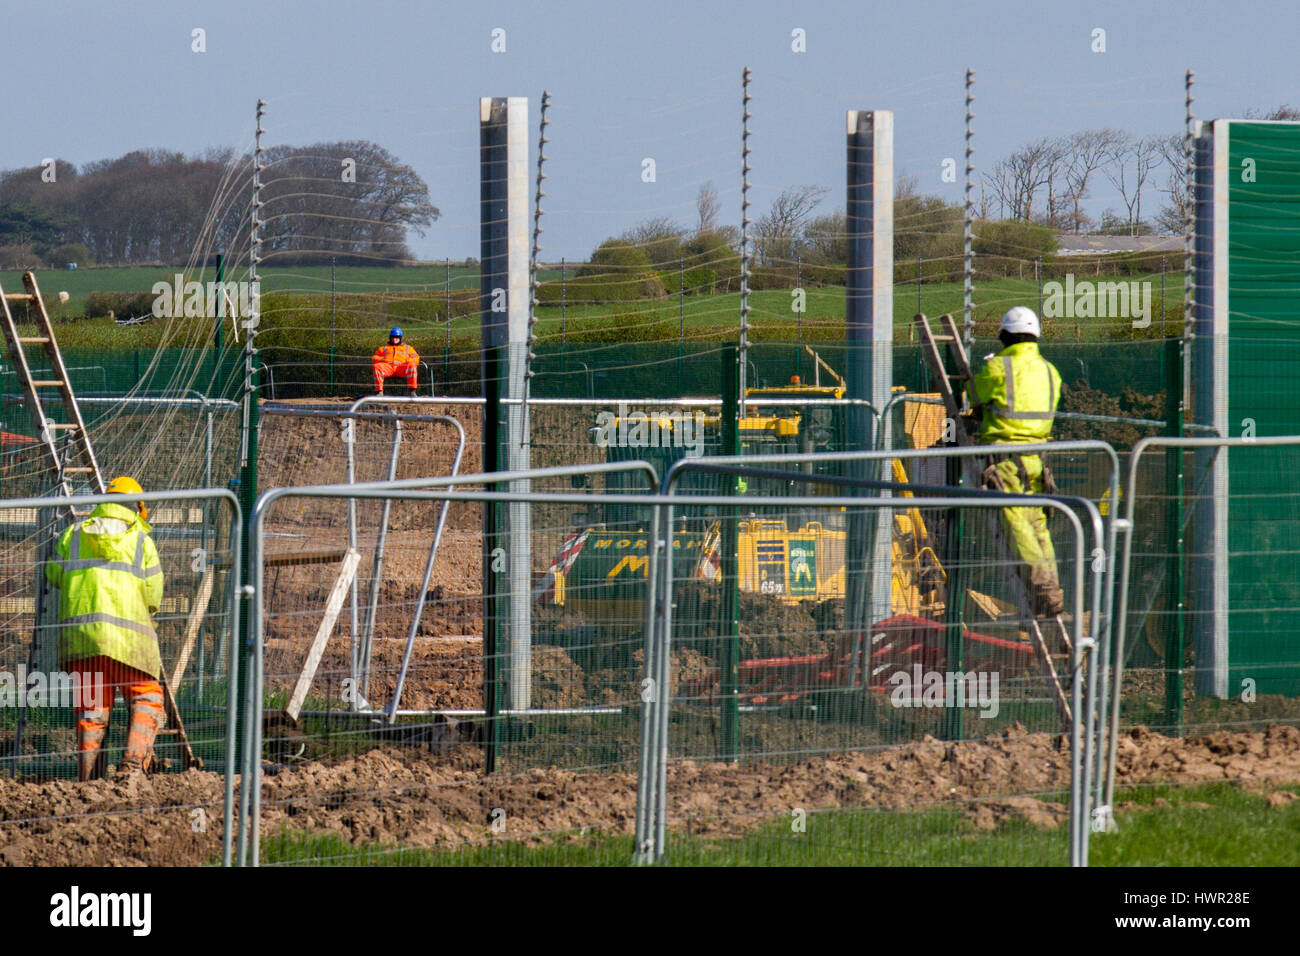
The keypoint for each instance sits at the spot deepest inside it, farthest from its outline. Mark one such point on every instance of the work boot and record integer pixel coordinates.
(1048, 602)
(130, 765)
(412, 391)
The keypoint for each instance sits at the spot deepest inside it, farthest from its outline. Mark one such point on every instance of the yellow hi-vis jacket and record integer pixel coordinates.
(1019, 390)
(110, 582)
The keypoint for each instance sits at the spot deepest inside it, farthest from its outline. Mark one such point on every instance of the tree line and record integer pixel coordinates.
(353, 201)
(1025, 199)
(1046, 181)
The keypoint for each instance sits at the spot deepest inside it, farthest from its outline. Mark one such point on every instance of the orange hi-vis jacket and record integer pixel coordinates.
(396, 355)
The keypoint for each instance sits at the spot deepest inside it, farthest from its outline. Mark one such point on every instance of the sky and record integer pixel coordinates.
(629, 81)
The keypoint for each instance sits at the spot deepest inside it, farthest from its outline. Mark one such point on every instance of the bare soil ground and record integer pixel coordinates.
(444, 673)
(447, 674)
(417, 797)
(422, 796)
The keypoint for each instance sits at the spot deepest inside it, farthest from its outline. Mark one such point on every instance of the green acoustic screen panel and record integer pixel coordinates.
(1263, 303)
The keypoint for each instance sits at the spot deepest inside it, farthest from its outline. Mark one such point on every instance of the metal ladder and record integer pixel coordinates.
(77, 458)
(972, 474)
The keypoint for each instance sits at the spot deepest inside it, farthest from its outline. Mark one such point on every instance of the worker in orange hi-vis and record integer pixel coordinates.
(395, 358)
(110, 583)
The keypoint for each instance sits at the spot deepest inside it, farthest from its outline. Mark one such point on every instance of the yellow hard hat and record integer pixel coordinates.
(125, 485)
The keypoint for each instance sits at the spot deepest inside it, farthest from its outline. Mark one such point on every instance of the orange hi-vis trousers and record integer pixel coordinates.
(409, 371)
(101, 678)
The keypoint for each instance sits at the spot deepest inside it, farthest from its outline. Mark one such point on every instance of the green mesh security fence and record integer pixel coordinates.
(1177, 672)
(664, 369)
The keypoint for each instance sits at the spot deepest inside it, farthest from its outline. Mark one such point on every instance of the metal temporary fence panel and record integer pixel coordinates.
(1087, 469)
(1156, 656)
(189, 819)
(626, 727)
(428, 670)
(783, 693)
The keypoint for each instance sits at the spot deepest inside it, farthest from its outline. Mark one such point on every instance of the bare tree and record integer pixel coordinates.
(1084, 154)
(1017, 179)
(1058, 213)
(1285, 112)
(1131, 162)
(1031, 170)
(1173, 217)
(998, 179)
(779, 234)
(708, 207)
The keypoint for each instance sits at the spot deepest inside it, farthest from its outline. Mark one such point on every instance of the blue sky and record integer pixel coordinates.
(628, 81)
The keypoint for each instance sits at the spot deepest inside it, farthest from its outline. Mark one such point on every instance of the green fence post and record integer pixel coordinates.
(1174, 594)
(221, 301)
(730, 631)
(954, 722)
(333, 324)
(681, 317)
(446, 308)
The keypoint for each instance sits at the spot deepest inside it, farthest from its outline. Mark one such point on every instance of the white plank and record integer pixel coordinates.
(332, 609)
(199, 609)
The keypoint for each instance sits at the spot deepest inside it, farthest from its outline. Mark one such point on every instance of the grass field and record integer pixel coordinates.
(304, 321)
(79, 283)
(1208, 825)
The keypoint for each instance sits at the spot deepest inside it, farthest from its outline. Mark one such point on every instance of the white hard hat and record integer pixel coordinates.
(1020, 320)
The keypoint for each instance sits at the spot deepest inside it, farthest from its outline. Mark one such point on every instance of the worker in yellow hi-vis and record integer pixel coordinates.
(1016, 394)
(110, 583)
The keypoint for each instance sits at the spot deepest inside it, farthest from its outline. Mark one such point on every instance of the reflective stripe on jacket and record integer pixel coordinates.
(396, 355)
(110, 583)
(1019, 390)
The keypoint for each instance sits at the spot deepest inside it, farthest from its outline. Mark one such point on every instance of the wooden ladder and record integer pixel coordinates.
(83, 464)
(75, 468)
(958, 411)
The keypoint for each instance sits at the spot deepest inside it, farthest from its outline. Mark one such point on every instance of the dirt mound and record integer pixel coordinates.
(1254, 758)
(557, 680)
(768, 626)
(65, 823)
(416, 798)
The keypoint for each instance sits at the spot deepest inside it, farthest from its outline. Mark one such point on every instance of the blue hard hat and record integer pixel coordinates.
(395, 330)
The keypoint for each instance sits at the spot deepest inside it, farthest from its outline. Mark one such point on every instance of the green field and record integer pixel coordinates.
(79, 283)
(1207, 825)
(298, 315)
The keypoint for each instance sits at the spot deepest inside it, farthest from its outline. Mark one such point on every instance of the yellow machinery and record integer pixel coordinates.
(917, 585)
(791, 564)
(802, 565)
